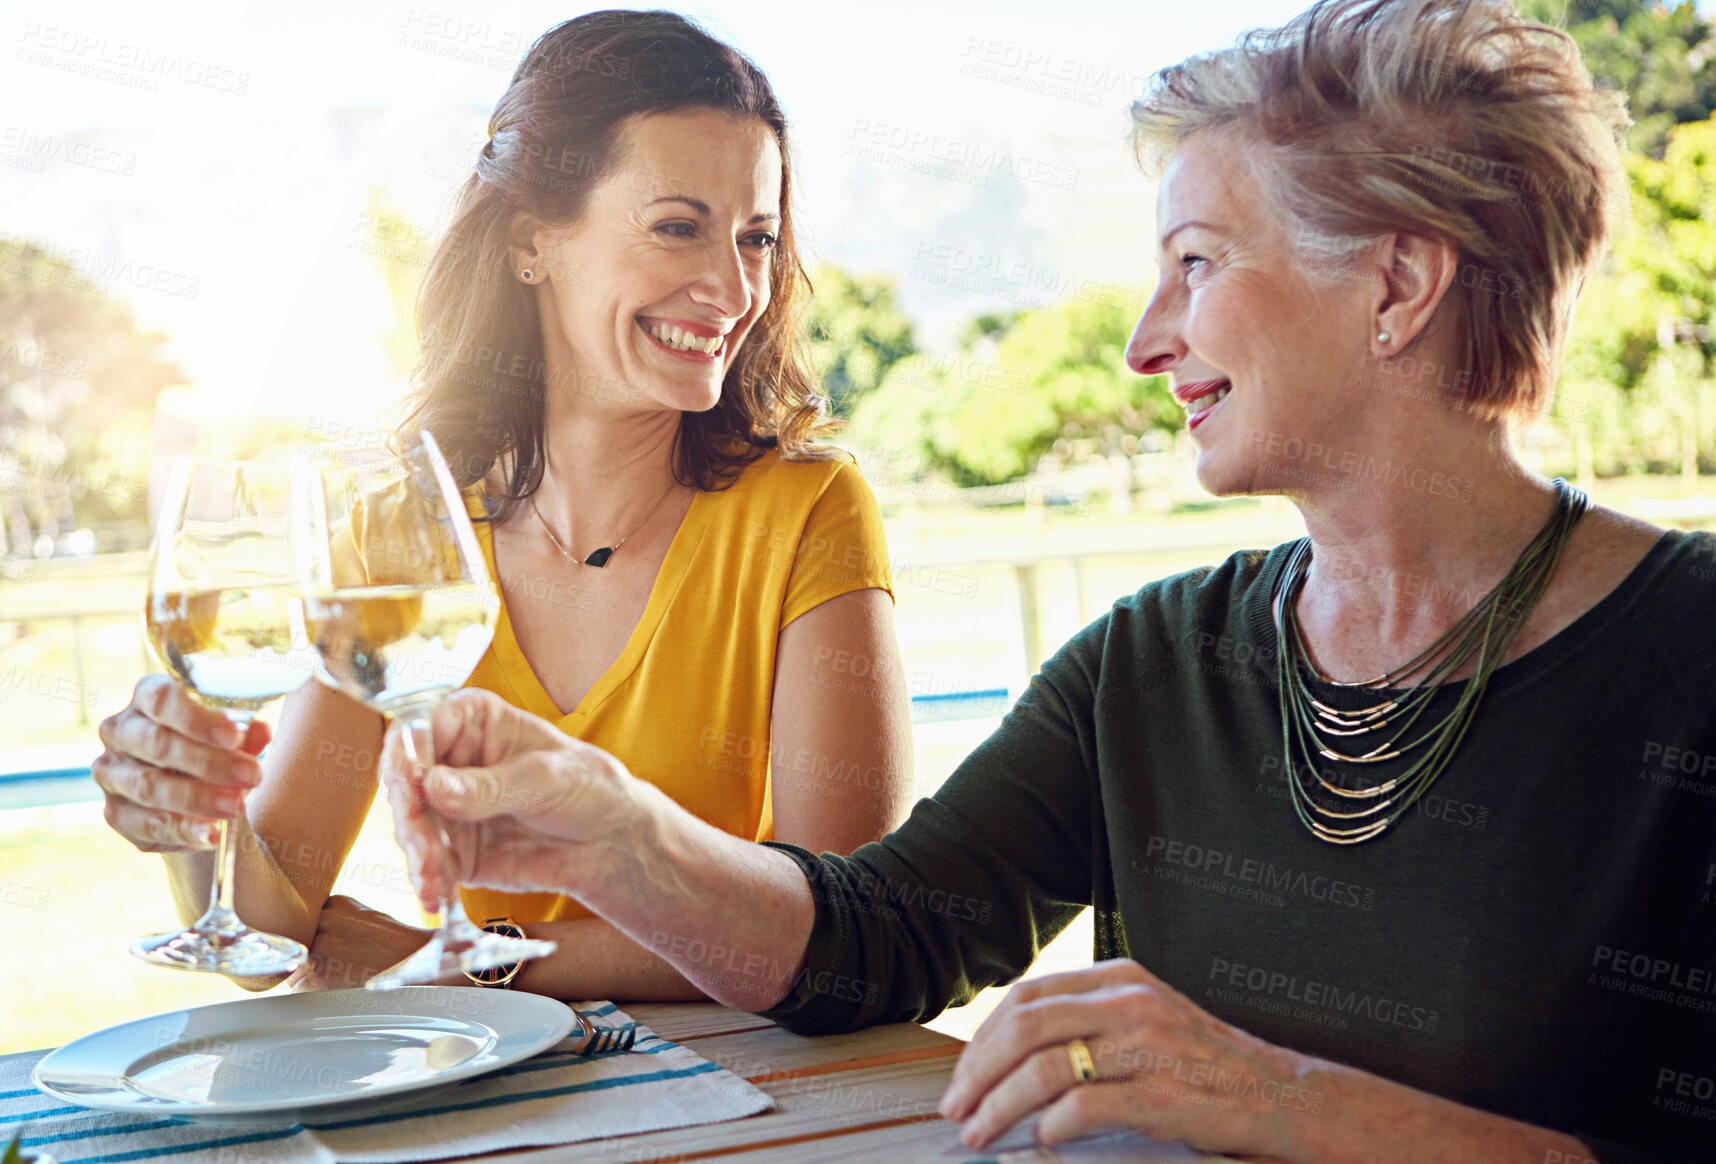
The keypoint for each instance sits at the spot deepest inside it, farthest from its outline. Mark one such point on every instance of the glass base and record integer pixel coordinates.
(242, 953)
(443, 958)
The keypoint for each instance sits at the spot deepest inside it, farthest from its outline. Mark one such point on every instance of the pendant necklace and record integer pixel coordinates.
(599, 557)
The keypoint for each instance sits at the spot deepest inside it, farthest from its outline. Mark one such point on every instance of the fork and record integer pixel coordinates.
(605, 1040)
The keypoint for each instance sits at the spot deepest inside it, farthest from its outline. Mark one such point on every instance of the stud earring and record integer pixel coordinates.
(1382, 337)
(527, 275)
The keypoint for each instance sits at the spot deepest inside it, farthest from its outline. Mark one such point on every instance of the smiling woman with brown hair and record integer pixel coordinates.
(1386, 858)
(612, 363)
(565, 153)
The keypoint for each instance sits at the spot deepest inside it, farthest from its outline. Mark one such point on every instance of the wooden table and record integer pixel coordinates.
(867, 1096)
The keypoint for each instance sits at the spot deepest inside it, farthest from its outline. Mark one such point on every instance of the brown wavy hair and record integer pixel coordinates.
(554, 136)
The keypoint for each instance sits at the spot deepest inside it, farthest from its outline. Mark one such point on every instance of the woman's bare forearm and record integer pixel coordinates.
(298, 823)
(732, 917)
(596, 960)
(263, 895)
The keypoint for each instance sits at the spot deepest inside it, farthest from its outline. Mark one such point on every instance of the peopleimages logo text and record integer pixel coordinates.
(1321, 996)
(1261, 873)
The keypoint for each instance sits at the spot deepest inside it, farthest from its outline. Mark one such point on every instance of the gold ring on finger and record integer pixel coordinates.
(1084, 1067)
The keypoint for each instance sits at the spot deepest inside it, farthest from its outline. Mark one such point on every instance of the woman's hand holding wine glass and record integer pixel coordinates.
(219, 616)
(174, 767)
(515, 799)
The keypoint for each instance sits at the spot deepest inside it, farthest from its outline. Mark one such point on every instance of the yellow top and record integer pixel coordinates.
(687, 704)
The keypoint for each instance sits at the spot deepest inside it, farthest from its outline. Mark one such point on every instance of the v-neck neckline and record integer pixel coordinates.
(668, 579)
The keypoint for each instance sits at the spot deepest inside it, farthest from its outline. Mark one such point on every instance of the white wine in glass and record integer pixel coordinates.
(398, 603)
(219, 615)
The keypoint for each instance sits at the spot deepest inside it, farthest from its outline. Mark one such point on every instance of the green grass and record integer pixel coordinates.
(72, 896)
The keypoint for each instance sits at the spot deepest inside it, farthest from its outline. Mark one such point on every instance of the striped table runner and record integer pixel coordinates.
(557, 1097)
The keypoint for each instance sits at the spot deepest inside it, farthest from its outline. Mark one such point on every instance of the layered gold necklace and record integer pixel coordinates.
(1348, 816)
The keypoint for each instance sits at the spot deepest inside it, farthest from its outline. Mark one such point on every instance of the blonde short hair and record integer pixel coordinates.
(1456, 120)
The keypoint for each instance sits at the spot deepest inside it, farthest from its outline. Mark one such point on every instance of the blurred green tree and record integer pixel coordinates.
(857, 332)
(1628, 401)
(988, 411)
(1636, 391)
(78, 385)
(1661, 55)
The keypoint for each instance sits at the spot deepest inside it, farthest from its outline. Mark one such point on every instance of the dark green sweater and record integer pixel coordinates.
(1537, 938)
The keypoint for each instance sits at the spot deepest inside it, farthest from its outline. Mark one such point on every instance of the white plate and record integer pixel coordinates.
(297, 1057)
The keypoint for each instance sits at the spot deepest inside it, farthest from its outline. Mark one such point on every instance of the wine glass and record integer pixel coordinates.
(220, 617)
(398, 602)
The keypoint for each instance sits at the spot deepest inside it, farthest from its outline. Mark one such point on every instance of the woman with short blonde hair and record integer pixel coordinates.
(1455, 122)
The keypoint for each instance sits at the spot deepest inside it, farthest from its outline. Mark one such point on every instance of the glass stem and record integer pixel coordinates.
(220, 893)
(220, 915)
(418, 737)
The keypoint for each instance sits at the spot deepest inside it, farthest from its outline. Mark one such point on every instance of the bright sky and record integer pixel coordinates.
(212, 161)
